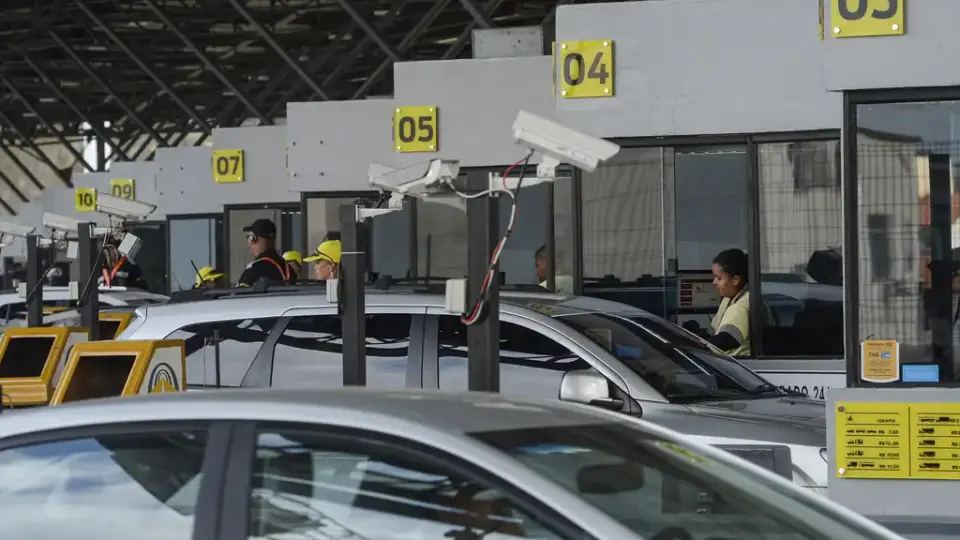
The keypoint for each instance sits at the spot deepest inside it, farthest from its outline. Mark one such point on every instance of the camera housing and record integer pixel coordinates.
(10, 231)
(560, 144)
(63, 224)
(123, 209)
(419, 180)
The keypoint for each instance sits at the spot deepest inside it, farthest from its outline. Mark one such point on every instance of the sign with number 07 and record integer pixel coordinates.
(586, 69)
(227, 166)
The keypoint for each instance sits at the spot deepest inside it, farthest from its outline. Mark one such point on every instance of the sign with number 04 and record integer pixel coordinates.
(586, 69)
(125, 188)
(866, 18)
(415, 129)
(85, 199)
(227, 166)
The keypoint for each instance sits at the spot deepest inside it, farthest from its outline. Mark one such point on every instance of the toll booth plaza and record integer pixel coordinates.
(820, 137)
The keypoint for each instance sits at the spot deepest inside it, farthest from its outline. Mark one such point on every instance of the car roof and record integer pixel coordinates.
(462, 412)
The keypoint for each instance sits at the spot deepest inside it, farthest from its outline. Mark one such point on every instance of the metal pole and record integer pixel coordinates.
(941, 269)
(34, 269)
(551, 242)
(353, 302)
(89, 255)
(483, 337)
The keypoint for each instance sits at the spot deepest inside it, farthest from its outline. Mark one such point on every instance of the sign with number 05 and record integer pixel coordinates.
(586, 69)
(415, 129)
(85, 199)
(227, 166)
(123, 188)
(866, 18)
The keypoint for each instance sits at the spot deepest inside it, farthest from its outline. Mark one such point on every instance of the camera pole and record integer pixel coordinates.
(483, 337)
(353, 303)
(34, 269)
(87, 280)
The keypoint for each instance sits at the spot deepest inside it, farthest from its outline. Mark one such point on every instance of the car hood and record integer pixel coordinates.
(778, 420)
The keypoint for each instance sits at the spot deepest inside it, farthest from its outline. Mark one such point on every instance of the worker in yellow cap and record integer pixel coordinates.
(294, 263)
(209, 278)
(326, 259)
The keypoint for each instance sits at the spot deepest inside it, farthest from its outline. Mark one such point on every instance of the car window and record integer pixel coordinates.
(306, 487)
(531, 364)
(142, 485)
(664, 489)
(238, 342)
(669, 362)
(310, 351)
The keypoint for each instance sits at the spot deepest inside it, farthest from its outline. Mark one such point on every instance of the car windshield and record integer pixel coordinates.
(664, 489)
(675, 362)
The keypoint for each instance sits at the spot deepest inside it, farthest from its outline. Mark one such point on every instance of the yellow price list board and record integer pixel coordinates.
(872, 440)
(898, 440)
(866, 18)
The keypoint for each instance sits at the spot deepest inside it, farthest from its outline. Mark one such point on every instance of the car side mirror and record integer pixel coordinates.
(588, 387)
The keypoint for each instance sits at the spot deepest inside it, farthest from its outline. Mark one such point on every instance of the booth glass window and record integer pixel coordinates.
(909, 232)
(194, 243)
(800, 237)
(238, 255)
(389, 235)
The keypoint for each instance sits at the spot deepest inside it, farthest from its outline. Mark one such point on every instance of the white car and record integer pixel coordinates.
(13, 309)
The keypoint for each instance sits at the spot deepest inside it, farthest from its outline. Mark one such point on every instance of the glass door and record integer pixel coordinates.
(193, 241)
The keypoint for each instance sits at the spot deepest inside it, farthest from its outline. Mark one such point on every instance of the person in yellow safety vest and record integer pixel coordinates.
(562, 284)
(326, 259)
(731, 325)
(294, 263)
(209, 278)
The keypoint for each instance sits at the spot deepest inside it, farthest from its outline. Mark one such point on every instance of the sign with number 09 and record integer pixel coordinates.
(124, 188)
(586, 69)
(85, 199)
(866, 18)
(415, 129)
(227, 166)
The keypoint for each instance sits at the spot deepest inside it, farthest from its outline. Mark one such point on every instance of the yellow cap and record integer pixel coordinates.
(327, 251)
(207, 273)
(293, 256)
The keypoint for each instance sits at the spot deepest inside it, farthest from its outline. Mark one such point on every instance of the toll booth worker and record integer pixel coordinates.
(731, 325)
(267, 263)
(562, 284)
(209, 278)
(118, 270)
(294, 263)
(326, 260)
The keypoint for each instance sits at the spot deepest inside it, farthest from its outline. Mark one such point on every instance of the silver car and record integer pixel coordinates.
(385, 465)
(552, 346)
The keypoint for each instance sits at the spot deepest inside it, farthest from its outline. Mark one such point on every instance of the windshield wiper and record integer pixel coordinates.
(767, 388)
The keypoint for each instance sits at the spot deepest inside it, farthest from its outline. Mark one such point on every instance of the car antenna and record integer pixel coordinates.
(196, 270)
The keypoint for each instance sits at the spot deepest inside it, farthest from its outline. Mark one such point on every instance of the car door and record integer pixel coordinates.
(145, 480)
(306, 350)
(315, 481)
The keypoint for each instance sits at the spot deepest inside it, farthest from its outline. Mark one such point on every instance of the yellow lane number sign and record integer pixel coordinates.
(85, 199)
(866, 18)
(415, 129)
(125, 188)
(586, 69)
(227, 166)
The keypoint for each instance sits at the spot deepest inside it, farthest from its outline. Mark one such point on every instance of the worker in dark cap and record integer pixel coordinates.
(267, 262)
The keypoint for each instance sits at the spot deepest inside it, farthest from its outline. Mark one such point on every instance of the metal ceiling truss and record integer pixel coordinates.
(144, 74)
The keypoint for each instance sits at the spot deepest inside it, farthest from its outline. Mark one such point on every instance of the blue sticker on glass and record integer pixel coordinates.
(626, 351)
(542, 449)
(920, 373)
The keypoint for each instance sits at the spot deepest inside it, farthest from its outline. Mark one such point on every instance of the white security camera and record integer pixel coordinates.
(123, 209)
(15, 229)
(560, 144)
(419, 180)
(60, 223)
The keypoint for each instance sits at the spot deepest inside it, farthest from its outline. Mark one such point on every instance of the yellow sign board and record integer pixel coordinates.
(415, 129)
(85, 199)
(125, 188)
(872, 440)
(880, 361)
(586, 69)
(866, 18)
(935, 441)
(227, 166)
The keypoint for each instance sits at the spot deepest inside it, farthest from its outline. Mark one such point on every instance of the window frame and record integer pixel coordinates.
(261, 369)
(217, 459)
(269, 335)
(238, 485)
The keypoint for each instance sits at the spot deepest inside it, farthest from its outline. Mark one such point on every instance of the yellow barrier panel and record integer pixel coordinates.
(30, 362)
(112, 324)
(100, 369)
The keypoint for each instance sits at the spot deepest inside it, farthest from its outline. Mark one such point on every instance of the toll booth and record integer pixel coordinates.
(113, 323)
(121, 368)
(31, 361)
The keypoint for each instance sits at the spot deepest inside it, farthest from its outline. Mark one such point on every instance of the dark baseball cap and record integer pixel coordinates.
(264, 228)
